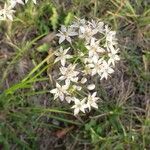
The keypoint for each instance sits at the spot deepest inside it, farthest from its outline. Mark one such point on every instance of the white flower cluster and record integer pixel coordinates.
(8, 10)
(91, 54)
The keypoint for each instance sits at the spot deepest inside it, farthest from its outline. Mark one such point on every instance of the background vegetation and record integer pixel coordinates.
(30, 119)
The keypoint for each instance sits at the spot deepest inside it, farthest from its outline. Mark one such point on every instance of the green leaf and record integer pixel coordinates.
(68, 18)
(54, 18)
(43, 48)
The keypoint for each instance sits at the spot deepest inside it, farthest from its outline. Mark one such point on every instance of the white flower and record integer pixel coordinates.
(87, 60)
(59, 91)
(78, 23)
(86, 32)
(87, 70)
(69, 99)
(14, 2)
(91, 101)
(94, 49)
(62, 55)
(91, 87)
(106, 70)
(79, 105)
(65, 34)
(75, 87)
(83, 80)
(69, 74)
(7, 12)
(99, 26)
(34, 1)
(110, 38)
(96, 66)
(113, 57)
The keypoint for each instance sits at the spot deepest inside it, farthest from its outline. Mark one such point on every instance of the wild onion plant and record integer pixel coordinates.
(87, 51)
